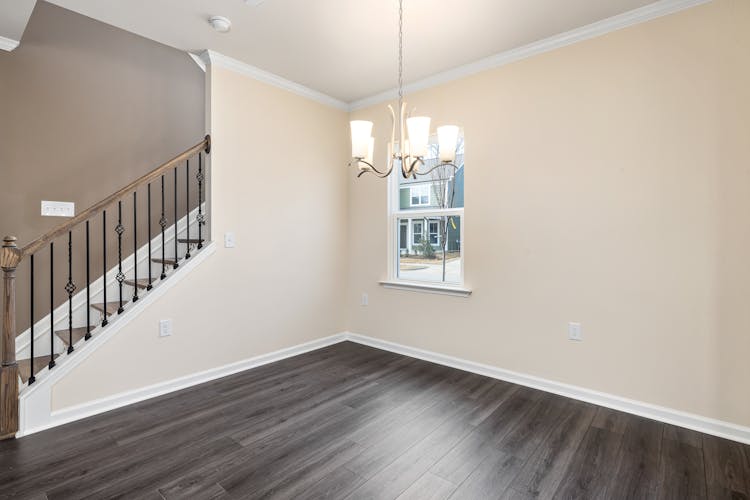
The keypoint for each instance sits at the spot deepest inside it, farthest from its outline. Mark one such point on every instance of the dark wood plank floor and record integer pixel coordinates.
(350, 421)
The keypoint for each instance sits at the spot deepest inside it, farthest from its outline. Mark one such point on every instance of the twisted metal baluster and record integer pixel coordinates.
(70, 287)
(135, 247)
(187, 207)
(51, 305)
(32, 379)
(176, 264)
(200, 218)
(119, 229)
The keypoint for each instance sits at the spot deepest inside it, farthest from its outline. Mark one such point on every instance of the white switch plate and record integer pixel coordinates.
(58, 208)
(574, 332)
(165, 327)
(229, 241)
(365, 299)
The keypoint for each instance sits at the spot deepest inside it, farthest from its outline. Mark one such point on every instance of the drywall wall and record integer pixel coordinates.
(606, 183)
(284, 282)
(86, 109)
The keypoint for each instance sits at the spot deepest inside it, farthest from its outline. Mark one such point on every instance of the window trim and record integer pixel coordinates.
(393, 214)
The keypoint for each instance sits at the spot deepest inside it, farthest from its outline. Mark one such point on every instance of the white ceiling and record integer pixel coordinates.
(347, 48)
(14, 14)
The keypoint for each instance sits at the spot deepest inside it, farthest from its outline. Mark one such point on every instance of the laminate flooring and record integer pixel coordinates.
(353, 422)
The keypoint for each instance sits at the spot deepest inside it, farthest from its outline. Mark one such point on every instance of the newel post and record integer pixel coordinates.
(10, 256)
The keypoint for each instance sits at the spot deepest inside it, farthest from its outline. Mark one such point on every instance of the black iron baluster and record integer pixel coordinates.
(32, 379)
(104, 261)
(187, 207)
(163, 224)
(51, 304)
(150, 280)
(88, 284)
(119, 229)
(176, 264)
(70, 287)
(200, 218)
(135, 247)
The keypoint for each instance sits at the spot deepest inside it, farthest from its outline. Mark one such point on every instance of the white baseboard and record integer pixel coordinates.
(679, 418)
(108, 403)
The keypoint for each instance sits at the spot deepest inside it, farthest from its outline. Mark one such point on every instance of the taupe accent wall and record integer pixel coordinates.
(86, 108)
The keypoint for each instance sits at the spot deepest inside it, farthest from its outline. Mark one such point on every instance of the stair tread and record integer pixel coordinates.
(140, 282)
(190, 240)
(169, 262)
(78, 334)
(24, 366)
(111, 307)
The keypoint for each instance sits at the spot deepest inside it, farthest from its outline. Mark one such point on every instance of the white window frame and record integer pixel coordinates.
(394, 214)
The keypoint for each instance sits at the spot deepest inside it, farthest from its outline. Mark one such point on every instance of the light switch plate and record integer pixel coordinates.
(165, 327)
(574, 332)
(58, 208)
(229, 240)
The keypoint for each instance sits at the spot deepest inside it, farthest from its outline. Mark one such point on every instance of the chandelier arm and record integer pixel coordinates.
(371, 167)
(412, 171)
(382, 175)
(437, 166)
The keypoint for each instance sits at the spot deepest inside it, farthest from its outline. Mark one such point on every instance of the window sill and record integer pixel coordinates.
(426, 288)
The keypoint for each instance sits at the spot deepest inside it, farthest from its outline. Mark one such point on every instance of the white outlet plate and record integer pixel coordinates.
(165, 328)
(229, 240)
(574, 332)
(58, 208)
(365, 299)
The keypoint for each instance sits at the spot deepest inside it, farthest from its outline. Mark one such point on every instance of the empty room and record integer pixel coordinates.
(375, 249)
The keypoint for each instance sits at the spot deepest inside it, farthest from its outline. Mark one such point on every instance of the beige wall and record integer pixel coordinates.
(607, 183)
(282, 285)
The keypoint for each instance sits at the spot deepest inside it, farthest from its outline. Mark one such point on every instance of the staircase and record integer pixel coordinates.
(76, 313)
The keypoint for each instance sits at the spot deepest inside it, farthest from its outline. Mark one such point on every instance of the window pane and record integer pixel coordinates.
(442, 188)
(434, 259)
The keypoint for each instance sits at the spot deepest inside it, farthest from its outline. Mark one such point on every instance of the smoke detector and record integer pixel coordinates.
(220, 23)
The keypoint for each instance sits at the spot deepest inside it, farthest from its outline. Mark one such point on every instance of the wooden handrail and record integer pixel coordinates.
(204, 145)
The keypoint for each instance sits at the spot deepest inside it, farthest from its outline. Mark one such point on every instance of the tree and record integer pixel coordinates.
(443, 188)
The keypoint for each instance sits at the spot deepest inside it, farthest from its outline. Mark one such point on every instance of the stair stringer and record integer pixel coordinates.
(35, 401)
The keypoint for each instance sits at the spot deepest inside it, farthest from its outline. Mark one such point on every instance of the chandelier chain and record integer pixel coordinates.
(400, 54)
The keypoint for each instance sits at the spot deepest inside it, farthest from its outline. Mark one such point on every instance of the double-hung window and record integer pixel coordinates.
(420, 195)
(426, 223)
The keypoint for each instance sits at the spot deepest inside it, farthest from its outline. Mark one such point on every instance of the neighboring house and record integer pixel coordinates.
(442, 189)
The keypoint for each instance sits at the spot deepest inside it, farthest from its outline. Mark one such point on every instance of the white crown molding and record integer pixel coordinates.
(679, 418)
(210, 57)
(198, 60)
(8, 43)
(599, 28)
(646, 13)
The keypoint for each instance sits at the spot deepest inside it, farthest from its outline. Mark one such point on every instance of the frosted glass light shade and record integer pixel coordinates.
(447, 142)
(419, 134)
(370, 150)
(361, 134)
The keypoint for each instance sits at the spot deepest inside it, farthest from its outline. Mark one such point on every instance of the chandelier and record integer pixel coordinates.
(408, 153)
